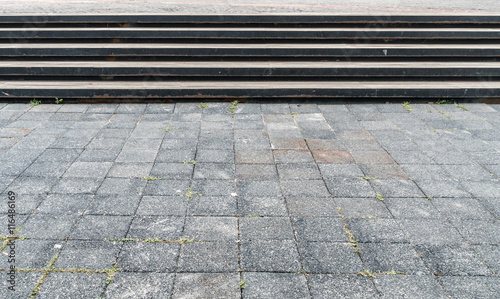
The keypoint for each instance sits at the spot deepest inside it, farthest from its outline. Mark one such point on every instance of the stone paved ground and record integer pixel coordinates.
(275, 201)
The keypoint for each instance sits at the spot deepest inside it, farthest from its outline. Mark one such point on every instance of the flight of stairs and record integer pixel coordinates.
(249, 57)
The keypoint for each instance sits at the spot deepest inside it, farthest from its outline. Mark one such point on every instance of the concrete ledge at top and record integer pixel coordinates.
(197, 7)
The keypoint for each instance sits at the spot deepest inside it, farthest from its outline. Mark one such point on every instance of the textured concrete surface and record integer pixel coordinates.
(273, 201)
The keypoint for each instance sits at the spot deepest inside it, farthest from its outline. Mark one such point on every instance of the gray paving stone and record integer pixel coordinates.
(319, 229)
(376, 230)
(254, 156)
(212, 206)
(105, 143)
(298, 171)
(89, 155)
(265, 228)
(275, 285)
(93, 227)
(256, 172)
(166, 187)
(293, 156)
(24, 284)
(275, 108)
(401, 258)
(396, 188)
(182, 143)
(163, 205)
(408, 286)
(176, 155)
(142, 144)
(130, 170)
(213, 187)
(46, 169)
(88, 169)
(468, 172)
(479, 231)
(484, 158)
(208, 257)
(214, 156)
(121, 133)
(148, 257)
(174, 171)
(490, 254)
(341, 286)
(270, 206)
(137, 156)
(91, 255)
(482, 189)
(152, 227)
(77, 185)
(214, 171)
(33, 254)
(140, 285)
(367, 150)
(207, 285)
(121, 186)
(269, 256)
(430, 231)
(32, 185)
(25, 203)
(60, 204)
(462, 208)
(258, 189)
(102, 108)
(289, 144)
(307, 188)
(113, 204)
(492, 204)
(442, 188)
(41, 226)
(426, 172)
(409, 208)
(350, 188)
(333, 171)
(153, 108)
(330, 258)
(471, 287)
(311, 207)
(384, 171)
(363, 208)
(455, 260)
(211, 228)
(80, 285)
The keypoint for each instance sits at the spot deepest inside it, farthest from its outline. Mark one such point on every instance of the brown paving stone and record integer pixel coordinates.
(326, 156)
(290, 143)
(372, 157)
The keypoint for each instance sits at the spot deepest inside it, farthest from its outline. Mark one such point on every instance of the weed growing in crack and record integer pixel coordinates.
(407, 106)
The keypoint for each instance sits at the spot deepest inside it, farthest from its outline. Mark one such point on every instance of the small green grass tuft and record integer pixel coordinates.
(189, 193)
(252, 215)
(446, 115)
(407, 106)
(233, 106)
(294, 113)
(242, 284)
(35, 102)
(151, 178)
(443, 102)
(59, 101)
(202, 105)
(367, 273)
(189, 162)
(460, 106)
(379, 197)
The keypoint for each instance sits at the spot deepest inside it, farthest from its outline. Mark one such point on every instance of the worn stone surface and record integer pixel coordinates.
(180, 212)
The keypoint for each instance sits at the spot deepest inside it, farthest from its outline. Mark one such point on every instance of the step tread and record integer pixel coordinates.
(97, 85)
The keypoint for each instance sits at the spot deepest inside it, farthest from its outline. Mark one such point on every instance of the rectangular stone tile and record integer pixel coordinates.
(88, 169)
(426, 172)
(341, 286)
(33, 254)
(213, 187)
(298, 171)
(148, 257)
(214, 156)
(258, 189)
(208, 257)
(113, 204)
(25, 203)
(420, 286)
(402, 258)
(167, 187)
(47, 169)
(490, 254)
(396, 188)
(335, 171)
(326, 257)
(265, 228)
(210, 285)
(89, 155)
(40, 226)
(483, 189)
(213, 206)
(462, 208)
(59, 155)
(137, 156)
(384, 171)
(121, 186)
(154, 285)
(163, 205)
(93, 227)
(372, 157)
(256, 172)
(272, 206)
(179, 143)
(304, 188)
(430, 231)
(470, 287)
(106, 143)
(77, 185)
(211, 228)
(130, 170)
(350, 188)
(65, 204)
(492, 204)
(376, 230)
(275, 285)
(32, 185)
(81, 285)
(269, 256)
(363, 145)
(175, 155)
(363, 208)
(312, 207)
(24, 285)
(214, 171)
(254, 157)
(408, 208)
(479, 231)
(319, 229)
(293, 156)
(456, 260)
(442, 188)
(92, 255)
(152, 227)
(289, 144)
(174, 171)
